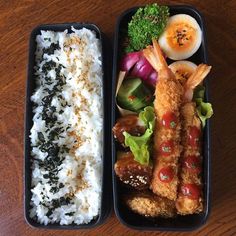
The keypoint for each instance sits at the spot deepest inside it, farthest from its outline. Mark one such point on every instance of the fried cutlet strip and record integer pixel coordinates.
(190, 199)
(167, 148)
(149, 204)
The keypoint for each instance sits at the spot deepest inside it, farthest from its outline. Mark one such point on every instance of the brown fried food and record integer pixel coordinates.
(131, 172)
(130, 124)
(168, 99)
(190, 194)
(190, 201)
(186, 206)
(163, 188)
(150, 205)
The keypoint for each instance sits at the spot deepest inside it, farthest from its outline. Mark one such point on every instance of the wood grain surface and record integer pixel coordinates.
(18, 18)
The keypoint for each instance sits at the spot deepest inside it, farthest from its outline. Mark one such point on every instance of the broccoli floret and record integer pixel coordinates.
(147, 23)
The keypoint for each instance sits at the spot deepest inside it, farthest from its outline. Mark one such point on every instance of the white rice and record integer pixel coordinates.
(70, 156)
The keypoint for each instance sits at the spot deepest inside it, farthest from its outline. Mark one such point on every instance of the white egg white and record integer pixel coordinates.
(178, 54)
(183, 67)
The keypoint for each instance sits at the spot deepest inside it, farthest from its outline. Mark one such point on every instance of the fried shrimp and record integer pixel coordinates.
(167, 148)
(190, 198)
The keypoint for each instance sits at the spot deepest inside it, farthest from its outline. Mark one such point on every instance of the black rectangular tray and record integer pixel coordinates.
(30, 87)
(127, 217)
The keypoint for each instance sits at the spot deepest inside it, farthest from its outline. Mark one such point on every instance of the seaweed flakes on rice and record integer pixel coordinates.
(67, 122)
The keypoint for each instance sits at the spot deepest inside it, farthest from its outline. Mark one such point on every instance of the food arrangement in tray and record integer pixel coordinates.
(162, 114)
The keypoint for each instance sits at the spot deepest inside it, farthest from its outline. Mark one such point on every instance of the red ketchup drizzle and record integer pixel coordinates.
(166, 148)
(166, 174)
(190, 191)
(169, 120)
(192, 164)
(194, 136)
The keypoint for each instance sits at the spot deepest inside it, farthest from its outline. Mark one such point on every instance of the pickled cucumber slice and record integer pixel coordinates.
(133, 95)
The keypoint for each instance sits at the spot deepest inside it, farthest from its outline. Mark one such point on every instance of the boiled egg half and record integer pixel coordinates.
(181, 38)
(183, 70)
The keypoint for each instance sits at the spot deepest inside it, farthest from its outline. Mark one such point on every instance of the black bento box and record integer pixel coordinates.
(127, 217)
(106, 202)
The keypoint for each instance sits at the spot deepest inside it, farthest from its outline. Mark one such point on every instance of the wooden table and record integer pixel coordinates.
(18, 18)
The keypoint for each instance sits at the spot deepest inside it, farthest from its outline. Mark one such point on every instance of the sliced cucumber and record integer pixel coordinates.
(133, 95)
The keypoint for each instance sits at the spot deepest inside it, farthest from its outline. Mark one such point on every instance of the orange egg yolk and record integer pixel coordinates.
(183, 74)
(180, 36)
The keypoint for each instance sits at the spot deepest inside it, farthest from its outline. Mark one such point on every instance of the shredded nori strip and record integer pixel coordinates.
(50, 50)
(55, 153)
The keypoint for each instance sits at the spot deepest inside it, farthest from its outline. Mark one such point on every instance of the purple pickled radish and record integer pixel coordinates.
(129, 60)
(142, 69)
(138, 66)
(153, 78)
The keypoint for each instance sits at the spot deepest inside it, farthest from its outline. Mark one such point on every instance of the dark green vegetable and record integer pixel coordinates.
(133, 95)
(147, 23)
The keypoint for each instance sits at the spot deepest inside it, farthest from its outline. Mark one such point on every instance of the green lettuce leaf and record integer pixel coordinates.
(140, 145)
(148, 117)
(204, 109)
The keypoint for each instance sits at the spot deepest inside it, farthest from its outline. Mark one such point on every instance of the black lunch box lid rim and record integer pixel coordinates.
(208, 176)
(105, 208)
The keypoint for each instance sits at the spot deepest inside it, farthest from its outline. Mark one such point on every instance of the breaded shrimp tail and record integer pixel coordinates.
(194, 80)
(168, 98)
(155, 57)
